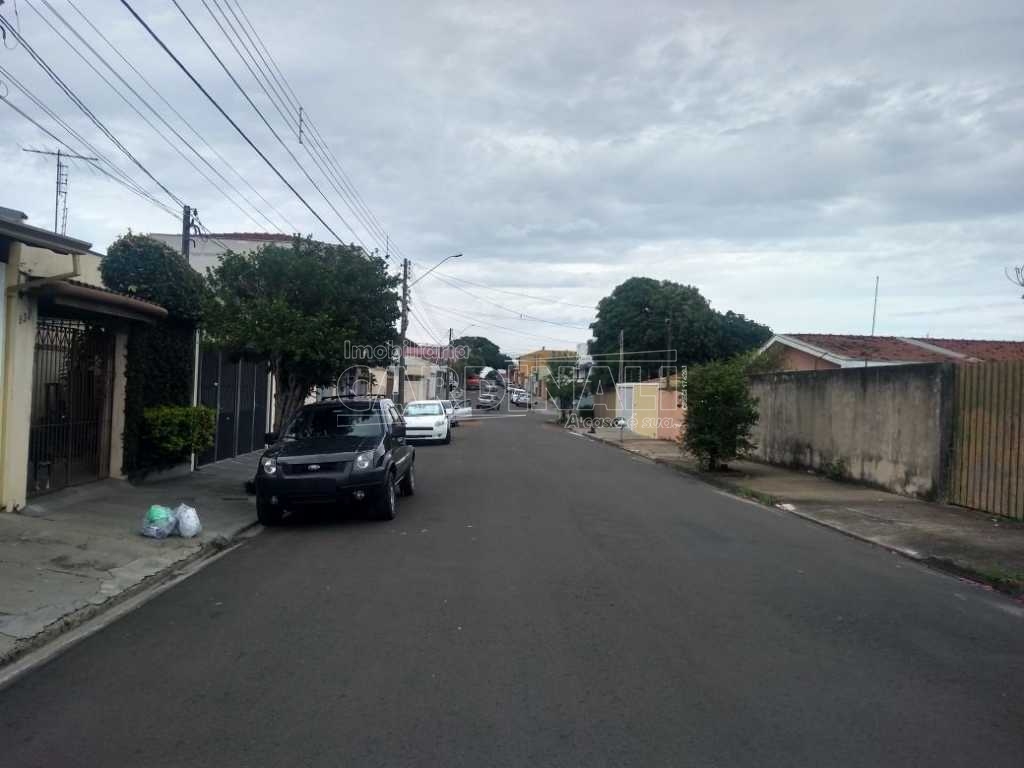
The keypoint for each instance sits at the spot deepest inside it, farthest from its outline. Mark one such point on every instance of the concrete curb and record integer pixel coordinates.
(1012, 590)
(74, 627)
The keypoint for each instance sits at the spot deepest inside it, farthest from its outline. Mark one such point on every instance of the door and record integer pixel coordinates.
(246, 407)
(69, 436)
(209, 382)
(226, 422)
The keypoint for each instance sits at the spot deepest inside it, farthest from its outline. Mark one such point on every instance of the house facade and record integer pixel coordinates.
(62, 366)
(532, 368)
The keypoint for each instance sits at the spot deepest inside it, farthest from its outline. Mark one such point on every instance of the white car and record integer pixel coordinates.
(519, 397)
(463, 410)
(427, 420)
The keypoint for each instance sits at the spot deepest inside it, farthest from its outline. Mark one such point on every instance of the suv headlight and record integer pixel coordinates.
(269, 466)
(364, 460)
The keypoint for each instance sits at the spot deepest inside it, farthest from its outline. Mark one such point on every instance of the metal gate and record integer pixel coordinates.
(238, 392)
(987, 461)
(69, 437)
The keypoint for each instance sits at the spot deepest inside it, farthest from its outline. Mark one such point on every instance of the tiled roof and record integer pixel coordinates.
(990, 351)
(911, 349)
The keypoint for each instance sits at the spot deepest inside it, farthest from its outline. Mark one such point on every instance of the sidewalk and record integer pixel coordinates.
(983, 547)
(70, 552)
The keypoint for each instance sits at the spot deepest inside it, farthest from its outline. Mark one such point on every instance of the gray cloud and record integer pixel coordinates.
(778, 156)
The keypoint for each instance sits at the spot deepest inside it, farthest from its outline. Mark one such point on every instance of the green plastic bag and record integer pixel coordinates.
(159, 522)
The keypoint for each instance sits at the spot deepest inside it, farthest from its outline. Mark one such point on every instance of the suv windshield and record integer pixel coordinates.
(334, 422)
(422, 409)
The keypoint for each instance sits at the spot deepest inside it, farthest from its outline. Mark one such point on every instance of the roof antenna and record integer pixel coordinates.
(874, 311)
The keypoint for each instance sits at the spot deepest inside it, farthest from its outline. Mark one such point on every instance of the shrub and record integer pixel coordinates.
(720, 412)
(173, 432)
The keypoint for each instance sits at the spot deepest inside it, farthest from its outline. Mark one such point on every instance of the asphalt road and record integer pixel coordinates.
(542, 601)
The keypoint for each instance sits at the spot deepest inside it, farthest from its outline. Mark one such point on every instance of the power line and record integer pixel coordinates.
(295, 104)
(145, 119)
(226, 116)
(476, 319)
(118, 173)
(85, 109)
(182, 118)
(522, 315)
(515, 293)
(258, 112)
(274, 96)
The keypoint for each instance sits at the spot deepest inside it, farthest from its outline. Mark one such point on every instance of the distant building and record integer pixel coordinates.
(823, 351)
(205, 250)
(533, 367)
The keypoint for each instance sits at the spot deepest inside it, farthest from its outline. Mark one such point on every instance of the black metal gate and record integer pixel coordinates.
(69, 439)
(238, 392)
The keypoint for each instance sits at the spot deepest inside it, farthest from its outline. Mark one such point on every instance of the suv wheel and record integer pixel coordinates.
(387, 499)
(408, 485)
(267, 513)
(448, 435)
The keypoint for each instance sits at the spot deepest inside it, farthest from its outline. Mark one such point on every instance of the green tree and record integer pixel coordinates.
(661, 315)
(159, 359)
(482, 351)
(302, 307)
(720, 411)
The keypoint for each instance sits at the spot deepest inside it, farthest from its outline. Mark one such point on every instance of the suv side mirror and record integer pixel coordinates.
(270, 437)
(398, 430)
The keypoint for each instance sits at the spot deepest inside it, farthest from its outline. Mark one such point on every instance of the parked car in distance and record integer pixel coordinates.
(427, 420)
(519, 397)
(472, 382)
(463, 409)
(334, 451)
(488, 401)
(449, 410)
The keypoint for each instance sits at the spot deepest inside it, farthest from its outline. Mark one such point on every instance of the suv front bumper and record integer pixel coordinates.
(319, 488)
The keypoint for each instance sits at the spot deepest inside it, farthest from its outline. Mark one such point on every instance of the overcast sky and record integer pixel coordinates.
(776, 155)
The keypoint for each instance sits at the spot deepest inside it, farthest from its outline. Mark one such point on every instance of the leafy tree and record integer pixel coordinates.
(159, 359)
(661, 315)
(302, 307)
(482, 352)
(148, 269)
(1017, 276)
(720, 411)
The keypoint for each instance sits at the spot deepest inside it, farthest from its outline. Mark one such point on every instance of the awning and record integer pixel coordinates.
(92, 299)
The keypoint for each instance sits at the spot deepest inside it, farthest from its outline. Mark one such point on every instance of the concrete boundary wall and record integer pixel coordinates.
(890, 426)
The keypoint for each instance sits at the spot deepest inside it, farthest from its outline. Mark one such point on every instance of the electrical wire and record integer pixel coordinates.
(286, 88)
(182, 118)
(521, 315)
(258, 111)
(514, 293)
(274, 96)
(121, 176)
(91, 164)
(69, 92)
(145, 119)
(226, 116)
(477, 319)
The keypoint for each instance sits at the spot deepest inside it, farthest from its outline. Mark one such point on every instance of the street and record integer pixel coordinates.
(543, 600)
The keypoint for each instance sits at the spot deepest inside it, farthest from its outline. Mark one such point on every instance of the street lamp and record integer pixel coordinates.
(442, 261)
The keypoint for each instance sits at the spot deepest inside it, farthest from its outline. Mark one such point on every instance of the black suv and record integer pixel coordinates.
(334, 451)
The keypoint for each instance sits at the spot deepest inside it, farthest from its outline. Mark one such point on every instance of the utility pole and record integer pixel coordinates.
(668, 331)
(186, 231)
(448, 368)
(60, 203)
(622, 353)
(405, 327)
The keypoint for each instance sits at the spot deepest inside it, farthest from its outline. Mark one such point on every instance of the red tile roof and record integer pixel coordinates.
(896, 349)
(989, 351)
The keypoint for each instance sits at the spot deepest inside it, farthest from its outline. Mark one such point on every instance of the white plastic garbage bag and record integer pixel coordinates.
(188, 521)
(158, 522)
